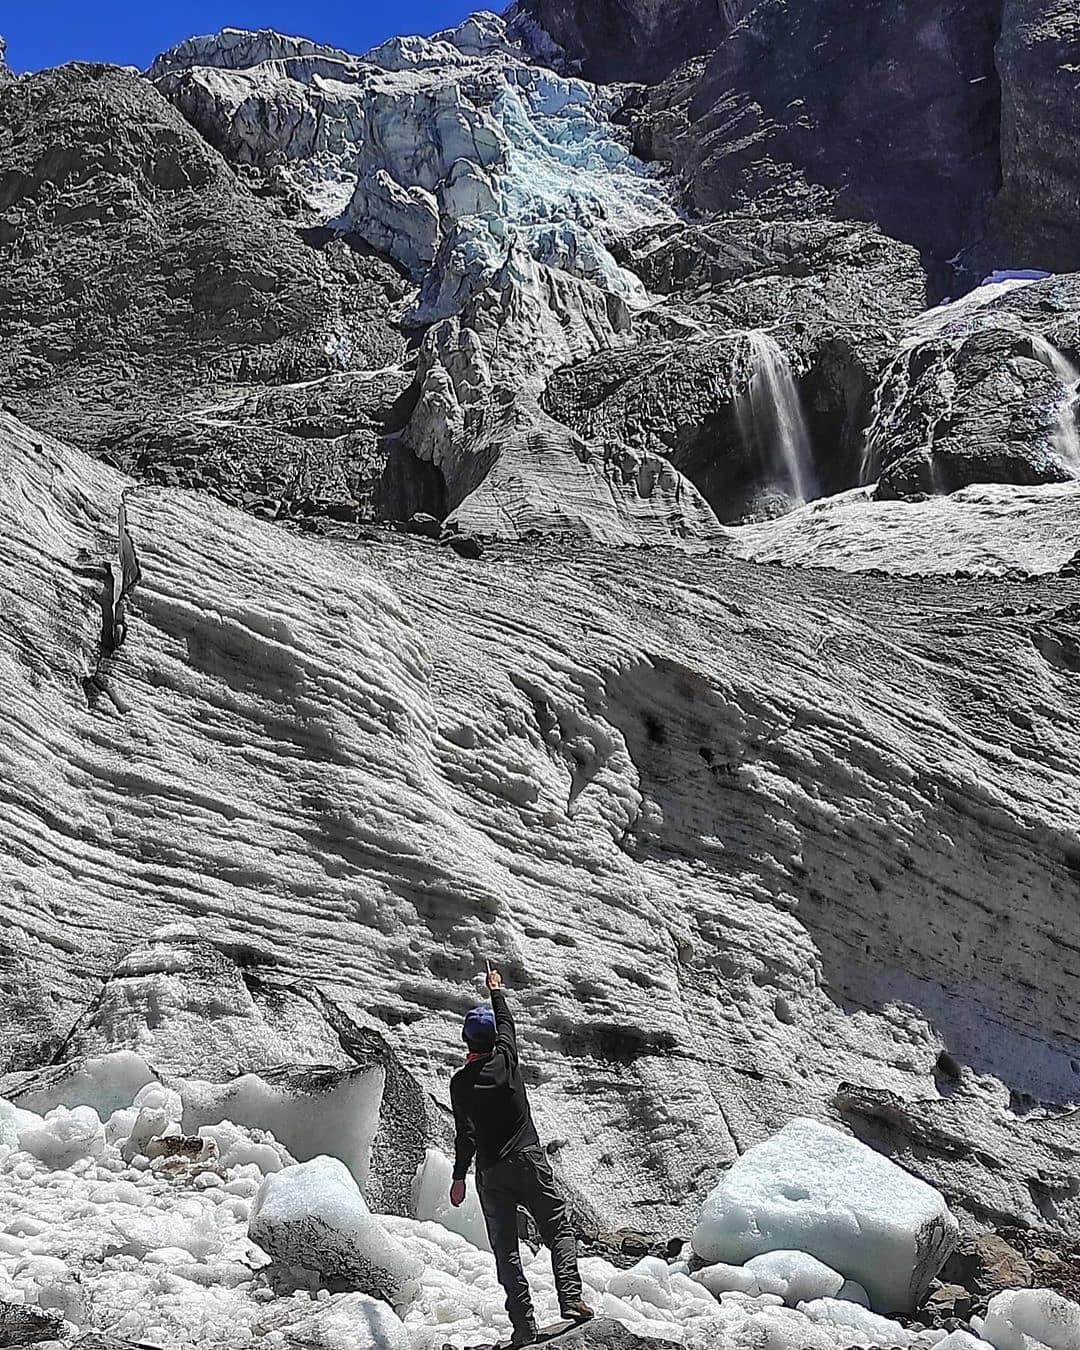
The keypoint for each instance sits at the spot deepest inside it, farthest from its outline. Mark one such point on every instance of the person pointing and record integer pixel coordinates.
(495, 1125)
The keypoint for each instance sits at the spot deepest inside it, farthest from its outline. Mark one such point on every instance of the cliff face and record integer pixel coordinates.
(952, 126)
(632, 39)
(1038, 55)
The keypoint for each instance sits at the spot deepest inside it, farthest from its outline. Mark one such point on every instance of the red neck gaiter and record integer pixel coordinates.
(474, 1055)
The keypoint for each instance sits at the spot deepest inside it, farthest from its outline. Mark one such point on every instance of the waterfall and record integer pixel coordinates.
(1066, 439)
(771, 416)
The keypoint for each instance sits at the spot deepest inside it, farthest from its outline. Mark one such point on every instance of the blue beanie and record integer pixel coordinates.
(479, 1029)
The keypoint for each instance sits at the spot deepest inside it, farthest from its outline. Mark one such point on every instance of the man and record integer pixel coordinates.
(494, 1122)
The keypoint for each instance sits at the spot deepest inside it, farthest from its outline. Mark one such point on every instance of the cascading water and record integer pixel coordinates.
(1067, 436)
(771, 417)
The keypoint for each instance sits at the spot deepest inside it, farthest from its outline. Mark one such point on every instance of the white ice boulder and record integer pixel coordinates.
(962, 1340)
(724, 1279)
(105, 1082)
(309, 1109)
(312, 1217)
(62, 1137)
(810, 1188)
(795, 1276)
(431, 1201)
(1026, 1319)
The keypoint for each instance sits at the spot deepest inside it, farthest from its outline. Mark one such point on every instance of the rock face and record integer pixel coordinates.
(1037, 55)
(982, 393)
(155, 310)
(780, 795)
(630, 39)
(914, 120)
(968, 105)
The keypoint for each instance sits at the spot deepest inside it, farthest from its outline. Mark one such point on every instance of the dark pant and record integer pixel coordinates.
(524, 1178)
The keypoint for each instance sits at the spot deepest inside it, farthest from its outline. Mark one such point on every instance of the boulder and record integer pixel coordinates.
(344, 1322)
(24, 1325)
(812, 1189)
(947, 1301)
(312, 1217)
(986, 1264)
(1019, 1318)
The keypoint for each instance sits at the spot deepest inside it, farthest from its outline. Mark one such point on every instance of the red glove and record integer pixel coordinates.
(457, 1193)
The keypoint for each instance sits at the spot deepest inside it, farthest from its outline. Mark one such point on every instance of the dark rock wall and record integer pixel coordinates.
(633, 39)
(952, 124)
(1038, 211)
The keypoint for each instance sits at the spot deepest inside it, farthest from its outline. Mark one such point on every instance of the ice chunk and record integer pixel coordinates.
(853, 1292)
(311, 1110)
(860, 1326)
(962, 1340)
(431, 1200)
(312, 1217)
(107, 1083)
(238, 1146)
(812, 1189)
(648, 1280)
(62, 1137)
(724, 1279)
(795, 1276)
(1025, 1319)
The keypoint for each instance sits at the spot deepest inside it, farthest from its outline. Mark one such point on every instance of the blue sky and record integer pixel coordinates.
(132, 32)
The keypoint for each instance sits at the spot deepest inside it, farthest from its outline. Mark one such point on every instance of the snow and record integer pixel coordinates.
(962, 1340)
(312, 1217)
(810, 1188)
(864, 1327)
(986, 529)
(64, 1136)
(1026, 1319)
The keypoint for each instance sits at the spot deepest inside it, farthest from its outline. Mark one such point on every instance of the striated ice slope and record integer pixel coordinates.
(747, 843)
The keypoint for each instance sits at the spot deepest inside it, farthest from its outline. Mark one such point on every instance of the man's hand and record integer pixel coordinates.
(457, 1194)
(493, 979)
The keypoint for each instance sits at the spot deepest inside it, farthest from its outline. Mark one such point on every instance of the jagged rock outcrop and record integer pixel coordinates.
(630, 39)
(153, 309)
(914, 119)
(982, 393)
(803, 808)
(1037, 56)
(831, 295)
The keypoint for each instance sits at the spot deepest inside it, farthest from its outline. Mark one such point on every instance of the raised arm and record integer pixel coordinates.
(505, 1031)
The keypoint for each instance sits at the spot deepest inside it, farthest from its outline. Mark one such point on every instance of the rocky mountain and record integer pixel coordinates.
(871, 112)
(456, 509)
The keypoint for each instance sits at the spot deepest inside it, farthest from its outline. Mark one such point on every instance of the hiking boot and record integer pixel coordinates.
(578, 1312)
(524, 1334)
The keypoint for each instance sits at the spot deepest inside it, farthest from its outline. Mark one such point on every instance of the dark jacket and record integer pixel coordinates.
(491, 1108)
